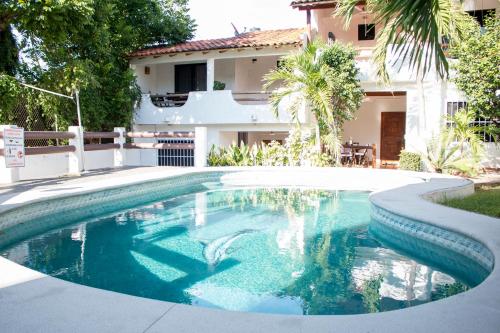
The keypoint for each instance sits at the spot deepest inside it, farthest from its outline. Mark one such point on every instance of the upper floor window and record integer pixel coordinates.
(366, 31)
(454, 107)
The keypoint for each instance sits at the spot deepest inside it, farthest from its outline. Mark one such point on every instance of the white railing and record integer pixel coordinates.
(170, 148)
(215, 107)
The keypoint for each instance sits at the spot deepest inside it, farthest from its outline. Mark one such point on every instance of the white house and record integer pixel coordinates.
(178, 87)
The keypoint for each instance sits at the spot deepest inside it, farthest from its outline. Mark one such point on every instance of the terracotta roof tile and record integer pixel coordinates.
(249, 39)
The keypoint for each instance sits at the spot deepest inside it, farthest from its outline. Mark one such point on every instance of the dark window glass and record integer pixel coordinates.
(366, 31)
(480, 15)
(190, 77)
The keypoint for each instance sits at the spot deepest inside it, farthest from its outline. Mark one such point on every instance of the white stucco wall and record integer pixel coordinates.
(249, 73)
(366, 128)
(44, 166)
(99, 159)
(225, 72)
(325, 23)
(165, 82)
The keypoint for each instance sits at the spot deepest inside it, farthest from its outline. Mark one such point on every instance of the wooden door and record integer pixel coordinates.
(392, 135)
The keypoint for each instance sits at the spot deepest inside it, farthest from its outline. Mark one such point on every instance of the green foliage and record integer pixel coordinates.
(9, 58)
(458, 148)
(83, 45)
(410, 161)
(297, 151)
(9, 94)
(324, 78)
(447, 290)
(443, 155)
(219, 85)
(484, 201)
(477, 68)
(414, 28)
(371, 294)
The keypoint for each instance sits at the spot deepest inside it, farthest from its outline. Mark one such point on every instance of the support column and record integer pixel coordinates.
(119, 154)
(75, 162)
(309, 28)
(200, 147)
(7, 175)
(210, 74)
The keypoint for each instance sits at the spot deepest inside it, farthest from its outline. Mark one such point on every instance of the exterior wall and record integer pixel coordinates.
(146, 82)
(44, 166)
(366, 128)
(225, 72)
(165, 82)
(479, 5)
(249, 73)
(324, 23)
(100, 159)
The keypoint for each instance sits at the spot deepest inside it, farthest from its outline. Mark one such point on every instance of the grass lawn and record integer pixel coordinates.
(485, 201)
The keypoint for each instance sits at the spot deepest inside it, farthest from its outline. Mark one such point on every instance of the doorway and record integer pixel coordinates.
(392, 136)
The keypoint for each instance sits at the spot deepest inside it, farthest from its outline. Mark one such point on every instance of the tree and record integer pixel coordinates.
(477, 68)
(323, 77)
(84, 44)
(413, 30)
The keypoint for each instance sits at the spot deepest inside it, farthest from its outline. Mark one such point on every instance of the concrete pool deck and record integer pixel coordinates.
(31, 301)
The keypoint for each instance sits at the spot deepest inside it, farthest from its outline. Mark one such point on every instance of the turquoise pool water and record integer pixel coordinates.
(289, 251)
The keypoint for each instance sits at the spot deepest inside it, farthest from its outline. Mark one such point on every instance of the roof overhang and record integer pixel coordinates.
(308, 5)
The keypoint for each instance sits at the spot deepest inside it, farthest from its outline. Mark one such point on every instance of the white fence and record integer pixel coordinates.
(77, 156)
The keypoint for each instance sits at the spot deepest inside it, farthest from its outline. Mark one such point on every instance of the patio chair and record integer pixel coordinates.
(346, 156)
(360, 156)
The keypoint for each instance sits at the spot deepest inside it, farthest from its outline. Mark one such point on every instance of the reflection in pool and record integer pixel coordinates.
(292, 251)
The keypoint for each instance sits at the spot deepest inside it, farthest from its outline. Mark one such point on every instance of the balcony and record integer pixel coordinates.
(211, 107)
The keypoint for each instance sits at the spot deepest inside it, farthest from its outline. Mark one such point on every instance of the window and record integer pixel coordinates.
(190, 77)
(366, 31)
(454, 107)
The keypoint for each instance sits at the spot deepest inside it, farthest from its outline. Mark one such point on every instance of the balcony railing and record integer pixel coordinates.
(176, 100)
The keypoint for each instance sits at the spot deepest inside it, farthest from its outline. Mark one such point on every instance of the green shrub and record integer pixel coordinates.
(410, 161)
(219, 85)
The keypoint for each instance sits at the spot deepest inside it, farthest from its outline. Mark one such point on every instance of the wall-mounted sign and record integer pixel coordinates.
(13, 139)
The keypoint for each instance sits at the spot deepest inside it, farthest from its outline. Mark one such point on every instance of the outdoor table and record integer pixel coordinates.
(373, 148)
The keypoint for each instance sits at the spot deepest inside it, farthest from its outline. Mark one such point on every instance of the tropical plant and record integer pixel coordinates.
(323, 78)
(296, 151)
(443, 154)
(467, 135)
(218, 85)
(478, 76)
(412, 30)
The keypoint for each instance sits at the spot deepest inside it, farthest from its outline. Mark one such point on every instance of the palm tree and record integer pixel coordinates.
(413, 29)
(305, 81)
(323, 78)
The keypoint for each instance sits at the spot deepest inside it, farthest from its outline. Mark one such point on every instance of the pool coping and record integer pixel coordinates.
(32, 301)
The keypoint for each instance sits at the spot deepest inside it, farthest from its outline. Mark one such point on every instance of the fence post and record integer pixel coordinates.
(7, 175)
(200, 147)
(75, 162)
(119, 153)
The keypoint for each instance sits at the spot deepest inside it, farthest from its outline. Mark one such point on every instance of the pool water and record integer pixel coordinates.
(286, 250)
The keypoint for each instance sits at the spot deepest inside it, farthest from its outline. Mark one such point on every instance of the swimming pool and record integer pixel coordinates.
(288, 250)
